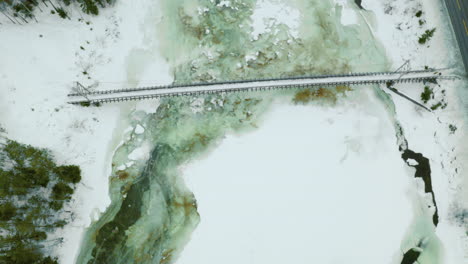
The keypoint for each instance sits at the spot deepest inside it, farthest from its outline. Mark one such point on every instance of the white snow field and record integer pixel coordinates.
(314, 184)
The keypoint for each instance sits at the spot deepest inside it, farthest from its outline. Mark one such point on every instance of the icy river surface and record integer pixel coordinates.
(273, 177)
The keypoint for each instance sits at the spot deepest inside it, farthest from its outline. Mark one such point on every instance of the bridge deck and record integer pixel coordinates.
(253, 85)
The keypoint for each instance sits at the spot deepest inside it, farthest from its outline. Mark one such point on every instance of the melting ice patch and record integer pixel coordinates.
(141, 153)
(139, 129)
(349, 15)
(269, 13)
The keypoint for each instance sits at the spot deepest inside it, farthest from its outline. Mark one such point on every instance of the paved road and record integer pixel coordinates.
(458, 10)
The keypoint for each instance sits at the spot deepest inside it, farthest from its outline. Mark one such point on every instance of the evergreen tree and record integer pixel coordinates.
(62, 13)
(61, 191)
(7, 211)
(33, 190)
(89, 7)
(69, 173)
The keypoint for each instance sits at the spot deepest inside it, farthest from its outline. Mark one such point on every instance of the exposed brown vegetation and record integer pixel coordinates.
(308, 95)
(187, 204)
(328, 94)
(199, 139)
(166, 256)
(122, 175)
(343, 88)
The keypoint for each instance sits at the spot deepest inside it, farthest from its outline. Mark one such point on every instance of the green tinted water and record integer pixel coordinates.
(152, 213)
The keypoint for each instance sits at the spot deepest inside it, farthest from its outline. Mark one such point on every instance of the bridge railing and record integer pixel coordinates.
(252, 88)
(245, 81)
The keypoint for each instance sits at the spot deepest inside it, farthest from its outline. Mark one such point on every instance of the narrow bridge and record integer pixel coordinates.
(84, 96)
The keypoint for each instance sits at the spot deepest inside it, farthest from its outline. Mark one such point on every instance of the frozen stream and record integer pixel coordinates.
(314, 184)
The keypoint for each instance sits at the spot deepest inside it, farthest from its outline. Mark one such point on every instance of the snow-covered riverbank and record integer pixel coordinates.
(398, 27)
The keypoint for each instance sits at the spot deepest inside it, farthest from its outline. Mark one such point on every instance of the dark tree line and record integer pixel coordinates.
(33, 192)
(22, 10)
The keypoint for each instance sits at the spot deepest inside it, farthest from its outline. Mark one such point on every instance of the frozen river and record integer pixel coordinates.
(302, 176)
(314, 184)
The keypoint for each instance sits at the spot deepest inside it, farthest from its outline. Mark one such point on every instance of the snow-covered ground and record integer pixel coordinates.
(40, 63)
